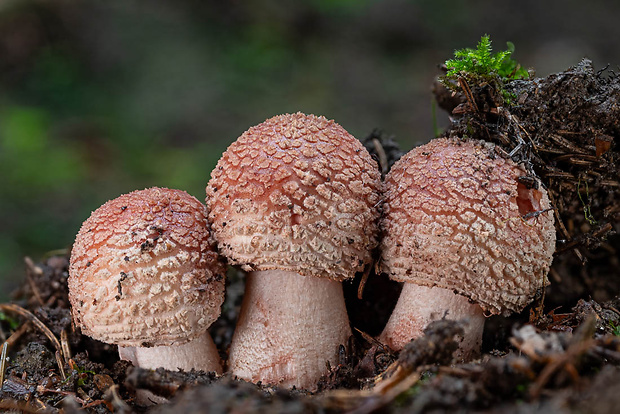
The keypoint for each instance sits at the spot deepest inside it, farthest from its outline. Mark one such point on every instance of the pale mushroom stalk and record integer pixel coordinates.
(200, 354)
(418, 306)
(465, 236)
(304, 331)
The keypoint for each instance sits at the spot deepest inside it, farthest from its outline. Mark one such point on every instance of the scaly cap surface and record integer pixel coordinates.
(296, 193)
(457, 217)
(144, 271)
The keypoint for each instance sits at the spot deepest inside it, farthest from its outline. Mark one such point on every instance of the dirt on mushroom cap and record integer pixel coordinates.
(457, 217)
(297, 193)
(144, 271)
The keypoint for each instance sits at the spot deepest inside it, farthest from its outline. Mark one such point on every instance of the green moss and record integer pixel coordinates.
(413, 391)
(482, 62)
(481, 65)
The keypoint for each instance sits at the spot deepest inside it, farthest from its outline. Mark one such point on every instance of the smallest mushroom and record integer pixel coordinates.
(465, 235)
(144, 275)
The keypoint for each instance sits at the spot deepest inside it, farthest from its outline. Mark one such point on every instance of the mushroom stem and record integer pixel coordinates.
(289, 327)
(418, 305)
(199, 354)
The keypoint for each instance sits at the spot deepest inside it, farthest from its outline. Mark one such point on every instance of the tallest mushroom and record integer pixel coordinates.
(293, 202)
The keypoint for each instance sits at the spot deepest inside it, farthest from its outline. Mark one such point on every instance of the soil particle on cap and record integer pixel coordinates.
(120, 285)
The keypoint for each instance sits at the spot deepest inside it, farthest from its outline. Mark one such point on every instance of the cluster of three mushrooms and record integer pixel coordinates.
(294, 201)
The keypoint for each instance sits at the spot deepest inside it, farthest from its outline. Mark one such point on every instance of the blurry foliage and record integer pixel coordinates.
(11, 322)
(29, 158)
(102, 98)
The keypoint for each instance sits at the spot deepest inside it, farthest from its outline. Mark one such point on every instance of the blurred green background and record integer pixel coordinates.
(99, 98)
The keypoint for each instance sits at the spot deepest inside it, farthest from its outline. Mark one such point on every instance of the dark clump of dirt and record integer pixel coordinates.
(383, 149)
(166, 383)
(436, 346)
(228, 395)
(561, 355)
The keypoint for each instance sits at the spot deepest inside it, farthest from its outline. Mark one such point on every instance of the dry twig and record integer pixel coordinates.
(31, 270)
(383, 159)
(5, 347)
(60, 358)
(64, 343)
(13, 308)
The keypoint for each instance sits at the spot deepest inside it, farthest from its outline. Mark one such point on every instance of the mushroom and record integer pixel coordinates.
(144, 275)
(467, 233)
(293, 202)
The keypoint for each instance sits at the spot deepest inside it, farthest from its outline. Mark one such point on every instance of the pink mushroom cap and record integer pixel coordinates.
(144, 271)
(458, 217)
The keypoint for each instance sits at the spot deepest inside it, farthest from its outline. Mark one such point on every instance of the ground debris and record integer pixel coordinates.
(543, 367)
(47, 283)
(164, 383)
(229, 395)
(32, 376)
(344, 375)
(606, 318)
(544, 364)
(436, 347)
(383, 149)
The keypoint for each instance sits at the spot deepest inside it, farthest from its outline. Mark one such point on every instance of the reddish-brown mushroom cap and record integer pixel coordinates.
(144, 271)
(296, 193)
(458, 217)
